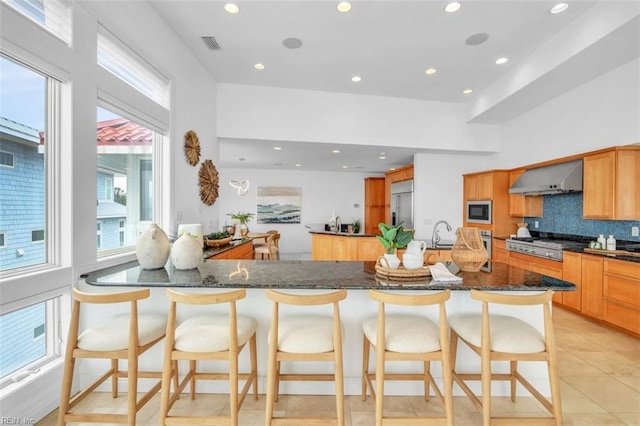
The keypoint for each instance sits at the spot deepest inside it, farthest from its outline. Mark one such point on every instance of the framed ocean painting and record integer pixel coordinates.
(279, 204)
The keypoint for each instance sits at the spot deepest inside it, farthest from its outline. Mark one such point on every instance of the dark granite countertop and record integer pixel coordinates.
(605, 253)
(342, 234)
(305, 274)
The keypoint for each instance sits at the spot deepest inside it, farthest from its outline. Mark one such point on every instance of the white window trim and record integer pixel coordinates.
(13, 160)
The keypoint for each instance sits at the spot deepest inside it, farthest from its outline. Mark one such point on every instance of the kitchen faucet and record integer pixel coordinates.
(435, 237)
(338, 223)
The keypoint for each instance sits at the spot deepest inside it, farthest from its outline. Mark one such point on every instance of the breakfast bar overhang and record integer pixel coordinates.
(315, 276)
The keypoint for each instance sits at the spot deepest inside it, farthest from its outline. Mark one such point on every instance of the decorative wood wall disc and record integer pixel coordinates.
(192, 147)
(208, 182)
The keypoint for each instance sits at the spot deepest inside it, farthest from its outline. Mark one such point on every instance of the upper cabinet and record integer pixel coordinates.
(478, 186)
(611, 184)
(374, 188)
(521, 205)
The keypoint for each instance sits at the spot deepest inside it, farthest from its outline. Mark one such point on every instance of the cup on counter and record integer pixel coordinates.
(595, 245)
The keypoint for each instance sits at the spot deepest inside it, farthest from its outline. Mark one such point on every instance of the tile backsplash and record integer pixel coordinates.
(563, 214)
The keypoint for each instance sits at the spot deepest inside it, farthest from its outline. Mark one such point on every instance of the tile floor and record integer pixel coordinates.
(600, 385)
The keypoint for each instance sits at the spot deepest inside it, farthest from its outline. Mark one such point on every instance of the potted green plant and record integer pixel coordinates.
(393, 238)
(356, 225)
(243, 218)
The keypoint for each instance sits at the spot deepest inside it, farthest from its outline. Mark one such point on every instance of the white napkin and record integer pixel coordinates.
(441, 274)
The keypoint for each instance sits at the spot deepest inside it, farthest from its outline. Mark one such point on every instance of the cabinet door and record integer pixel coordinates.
(373, 204)
(572, 272)
(592, 286)
(628, 185)
(499, 251)
(520, 205)
(471, 187)
(369, 249)
(599, 186)
(485, 186)
(321, 247)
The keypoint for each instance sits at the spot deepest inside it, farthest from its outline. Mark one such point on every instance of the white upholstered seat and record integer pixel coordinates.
(108, 336)
(210, 333)
(405, 333)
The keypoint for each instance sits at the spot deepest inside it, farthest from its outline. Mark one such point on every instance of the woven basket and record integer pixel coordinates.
(469, 252)
(218, 243)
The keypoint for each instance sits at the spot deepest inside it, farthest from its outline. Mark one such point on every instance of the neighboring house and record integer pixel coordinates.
(22, 227)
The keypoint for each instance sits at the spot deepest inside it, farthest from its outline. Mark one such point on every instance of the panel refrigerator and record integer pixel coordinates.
(402, 203)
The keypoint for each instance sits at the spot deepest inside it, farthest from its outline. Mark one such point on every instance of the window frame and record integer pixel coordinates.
(13, 160)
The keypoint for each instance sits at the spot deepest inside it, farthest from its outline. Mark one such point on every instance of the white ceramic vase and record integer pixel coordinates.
(391, 261)
(412, 261)
(186, 252)
(195, 229)
(152, 248)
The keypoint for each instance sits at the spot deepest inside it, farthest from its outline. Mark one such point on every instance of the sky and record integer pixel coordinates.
(22, 94)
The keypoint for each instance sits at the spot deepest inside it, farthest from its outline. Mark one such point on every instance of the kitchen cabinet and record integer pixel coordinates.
(440, 255)
(499, 251)
(400, 174)
(592, 270)
(521, 205)
(621, 294)
(374, 203)
(240, 251)
(611, 184)
(572, 272)
(345, 247)
(478, 186)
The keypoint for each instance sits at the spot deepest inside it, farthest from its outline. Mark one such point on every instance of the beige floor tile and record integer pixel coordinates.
(632, 381)
(613, 362)
(571, 365)
(574, 342)
(630, 419)
(574, 401)
(608, 393)
(590, 419)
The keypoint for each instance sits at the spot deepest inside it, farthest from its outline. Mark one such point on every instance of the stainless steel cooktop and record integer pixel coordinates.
(546, 248)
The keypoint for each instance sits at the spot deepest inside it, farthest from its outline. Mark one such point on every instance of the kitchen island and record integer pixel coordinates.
(363, 247)
(312, 276)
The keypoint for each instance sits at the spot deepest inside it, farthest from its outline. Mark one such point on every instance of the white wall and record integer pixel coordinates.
(601, 113)
(323, 193)
(253, 112)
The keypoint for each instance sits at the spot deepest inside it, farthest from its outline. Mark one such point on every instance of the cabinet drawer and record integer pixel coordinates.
(620, 267)
(622, 316)
(622, 290)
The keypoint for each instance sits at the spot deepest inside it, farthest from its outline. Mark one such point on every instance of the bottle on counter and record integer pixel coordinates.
(602, 241)
(611, 243)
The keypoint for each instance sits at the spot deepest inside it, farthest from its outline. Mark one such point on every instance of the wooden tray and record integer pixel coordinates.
(611, 252)
(402, 273)
(219, 243)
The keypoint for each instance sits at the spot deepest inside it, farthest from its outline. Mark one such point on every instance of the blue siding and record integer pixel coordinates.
(18, 346)
(22, 198)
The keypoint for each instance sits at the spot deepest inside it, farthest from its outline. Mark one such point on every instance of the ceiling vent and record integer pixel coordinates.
(211, 43)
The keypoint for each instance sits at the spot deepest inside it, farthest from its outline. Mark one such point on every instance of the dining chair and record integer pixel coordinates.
(268, 250)
(120, 337)
(207, 337)
(305, 338)
(408, 337)
(507, 338)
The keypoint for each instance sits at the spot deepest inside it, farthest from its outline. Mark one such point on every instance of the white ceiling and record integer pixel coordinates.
(388, 43)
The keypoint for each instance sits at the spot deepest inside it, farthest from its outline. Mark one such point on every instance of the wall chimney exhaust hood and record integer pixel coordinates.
(553, 179)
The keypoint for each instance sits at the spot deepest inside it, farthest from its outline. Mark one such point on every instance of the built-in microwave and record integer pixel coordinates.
(479, 212)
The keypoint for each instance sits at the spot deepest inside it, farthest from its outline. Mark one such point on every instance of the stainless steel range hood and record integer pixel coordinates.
(554, 179)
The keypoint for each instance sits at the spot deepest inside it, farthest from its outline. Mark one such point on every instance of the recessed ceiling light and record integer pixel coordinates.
(345, 167)
(430, 71)
(336, 151)
(558, 8)
(343, 6)
(356, 78)
(231, 8)
(476, 39)
(277, 148)
(382, 157)
(452, 7)
(467, 91)
(292, 43)
(259, 66)
(501, 61)
(298, 165)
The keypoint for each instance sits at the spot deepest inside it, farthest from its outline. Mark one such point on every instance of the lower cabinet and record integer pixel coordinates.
(592, 268)
(621, 294)
(551, 268)
(499, 251)
(572, 272)
(336, 247)
(242, 251)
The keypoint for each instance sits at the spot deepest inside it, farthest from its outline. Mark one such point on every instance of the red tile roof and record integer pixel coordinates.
(121, 131)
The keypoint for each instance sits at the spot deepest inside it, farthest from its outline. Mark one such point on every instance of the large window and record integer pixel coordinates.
(53, 15)
(125, 180)
(28, 121)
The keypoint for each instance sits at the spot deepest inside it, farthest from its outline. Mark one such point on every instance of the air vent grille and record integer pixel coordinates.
(211, 43)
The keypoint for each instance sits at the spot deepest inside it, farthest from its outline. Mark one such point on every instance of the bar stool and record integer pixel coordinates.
(207, 337)
(402, 337)
(505, 338)
(305, 338)
(126, 337)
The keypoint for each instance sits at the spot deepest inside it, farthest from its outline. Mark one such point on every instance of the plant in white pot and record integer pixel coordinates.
(393, 238)
(243, 218)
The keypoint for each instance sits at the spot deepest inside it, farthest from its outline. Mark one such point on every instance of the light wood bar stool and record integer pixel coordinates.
(404, 337)
(506, 338)
(123, 337)
(305, 338)
(218, 337)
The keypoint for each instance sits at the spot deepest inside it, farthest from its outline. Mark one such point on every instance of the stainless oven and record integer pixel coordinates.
(478, 212)
(486, 240)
